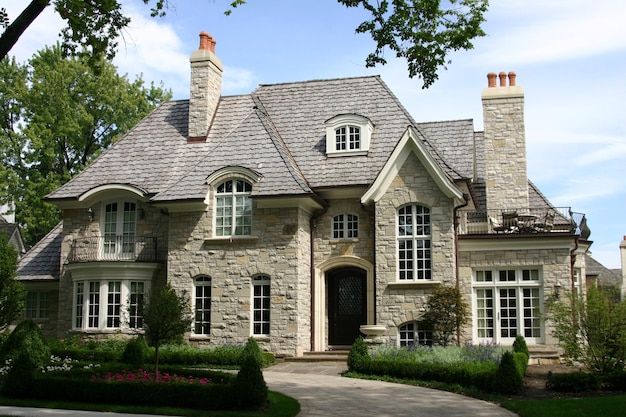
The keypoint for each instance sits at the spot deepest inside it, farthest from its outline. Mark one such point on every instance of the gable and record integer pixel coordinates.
(410, 145)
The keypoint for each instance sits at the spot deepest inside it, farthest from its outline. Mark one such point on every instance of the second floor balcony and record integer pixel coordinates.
(127, 248)
(512, 221)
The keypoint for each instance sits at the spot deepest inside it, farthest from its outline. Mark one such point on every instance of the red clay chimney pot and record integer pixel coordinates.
(502, 77)
(206, 42)
(491, 79)
(512, 76)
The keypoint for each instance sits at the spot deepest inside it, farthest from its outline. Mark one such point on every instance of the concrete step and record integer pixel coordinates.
(543, 356)
(329, 356)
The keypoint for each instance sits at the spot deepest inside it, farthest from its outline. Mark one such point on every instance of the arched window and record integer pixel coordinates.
(202, 306)
(415, 333)
(414, 243)
(347, 138)
(233, 208)
(118, 230)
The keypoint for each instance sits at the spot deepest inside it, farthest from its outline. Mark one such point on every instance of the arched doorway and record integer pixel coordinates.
(347, 304)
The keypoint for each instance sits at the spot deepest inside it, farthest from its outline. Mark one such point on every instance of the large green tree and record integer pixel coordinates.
(11, 291)
(56, 115)
(424, 32)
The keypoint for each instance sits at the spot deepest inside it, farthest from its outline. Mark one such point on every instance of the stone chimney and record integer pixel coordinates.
(206, 88)
(622, 250)
(505, 143)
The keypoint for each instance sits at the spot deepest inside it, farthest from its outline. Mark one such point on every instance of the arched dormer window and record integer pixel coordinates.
(233, 208)
(347, 135)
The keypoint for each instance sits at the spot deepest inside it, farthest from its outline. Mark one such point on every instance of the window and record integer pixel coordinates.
(233, 208)
(414, 243)
(346, 226)
(348, 135)
(119, 230)
(114, 304)
(202, 322)
(347, 138)
(37, 305)
(414, 333)
(137, 294)
(507, 303)
(261, 305)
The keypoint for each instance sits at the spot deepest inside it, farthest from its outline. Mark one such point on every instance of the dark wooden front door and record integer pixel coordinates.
(347, 305)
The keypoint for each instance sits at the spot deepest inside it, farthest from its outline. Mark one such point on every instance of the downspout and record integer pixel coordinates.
(312, 227)
(457, 277)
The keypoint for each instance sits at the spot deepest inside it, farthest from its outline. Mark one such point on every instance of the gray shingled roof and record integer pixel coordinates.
(43, 261)
(277, 131)
(606, 278)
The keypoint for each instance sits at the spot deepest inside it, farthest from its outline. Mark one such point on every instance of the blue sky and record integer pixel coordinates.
(569, 56)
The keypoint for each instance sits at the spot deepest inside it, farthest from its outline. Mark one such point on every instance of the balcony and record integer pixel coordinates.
(116, 249)
(512, 221)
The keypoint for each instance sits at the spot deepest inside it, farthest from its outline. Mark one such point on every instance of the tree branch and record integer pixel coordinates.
(19, 25)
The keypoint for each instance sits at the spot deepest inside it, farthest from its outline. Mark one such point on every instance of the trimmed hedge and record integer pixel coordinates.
(573, 382)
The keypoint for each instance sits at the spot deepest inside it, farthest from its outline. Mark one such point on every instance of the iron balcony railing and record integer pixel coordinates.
(523, 221)
(116, 249)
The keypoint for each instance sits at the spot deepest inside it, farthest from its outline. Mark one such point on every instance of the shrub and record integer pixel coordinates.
(573, 382)
(508, 379)
(358, 357)
(446, 313)
(615, 380)
(519, 345)
(135, 352)
(19, 380)
(27, 339)
(250, 386)
(521, 362)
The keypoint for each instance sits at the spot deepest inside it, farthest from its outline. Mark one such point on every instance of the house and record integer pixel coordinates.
(12, 232)
(306, 213)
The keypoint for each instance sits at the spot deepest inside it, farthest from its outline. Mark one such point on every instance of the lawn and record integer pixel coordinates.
(279, 406)
(612, 406)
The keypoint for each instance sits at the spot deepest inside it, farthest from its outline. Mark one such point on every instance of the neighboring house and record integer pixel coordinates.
(602, 277)
(302, 211)
(13, 234)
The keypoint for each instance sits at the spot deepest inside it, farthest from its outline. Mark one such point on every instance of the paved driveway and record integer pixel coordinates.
(323, 393)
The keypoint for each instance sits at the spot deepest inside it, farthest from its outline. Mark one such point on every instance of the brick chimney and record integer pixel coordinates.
(622, 250)
(206, 88)
(506, 175)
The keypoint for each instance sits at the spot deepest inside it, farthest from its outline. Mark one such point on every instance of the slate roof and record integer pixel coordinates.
(606, 278)
(43, 261)
(277, 131)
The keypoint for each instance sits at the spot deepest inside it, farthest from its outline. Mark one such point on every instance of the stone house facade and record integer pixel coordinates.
(305, 215)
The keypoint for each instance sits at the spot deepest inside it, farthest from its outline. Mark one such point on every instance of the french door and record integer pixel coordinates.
(119, 231)
(502, 313)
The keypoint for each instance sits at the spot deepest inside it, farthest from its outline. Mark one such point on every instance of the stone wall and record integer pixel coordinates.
(398, 302)
(278, 248)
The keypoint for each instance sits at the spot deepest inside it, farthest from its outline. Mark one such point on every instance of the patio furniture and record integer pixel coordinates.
(526, 223)
(546, 223)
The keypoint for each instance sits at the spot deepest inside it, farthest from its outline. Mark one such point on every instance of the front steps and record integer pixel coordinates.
(328, 356)
(543, 355)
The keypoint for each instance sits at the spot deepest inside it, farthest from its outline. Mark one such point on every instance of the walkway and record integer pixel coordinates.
(323, 393)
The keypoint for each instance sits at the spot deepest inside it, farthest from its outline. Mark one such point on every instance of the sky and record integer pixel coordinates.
(569, 56)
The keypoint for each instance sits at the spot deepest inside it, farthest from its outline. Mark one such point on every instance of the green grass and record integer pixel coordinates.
(612, 406)
(279, 406)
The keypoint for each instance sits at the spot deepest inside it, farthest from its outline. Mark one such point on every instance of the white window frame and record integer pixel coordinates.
(261, 305)
(201, 300)
(94, 310)
(507, 302)
(118, 228)
(356, 131)
(345, 226)
(233, 209)
(411, 333)
(414, 243)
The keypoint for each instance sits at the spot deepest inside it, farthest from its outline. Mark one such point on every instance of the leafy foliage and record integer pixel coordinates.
(42, 146)
(508, 379)
(358, 357)
(446, 313)
(26, 338)
(166, 318)
(135, 352)
(592, 329)
(424, 32)
(11, 291)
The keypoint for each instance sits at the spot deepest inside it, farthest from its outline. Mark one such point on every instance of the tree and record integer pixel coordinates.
(11, 291)
(592, 329)
(166, 318)
(446, 313)
(423, 32)
(57, 115)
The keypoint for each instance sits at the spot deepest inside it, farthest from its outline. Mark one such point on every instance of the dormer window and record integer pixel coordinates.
(347, 135)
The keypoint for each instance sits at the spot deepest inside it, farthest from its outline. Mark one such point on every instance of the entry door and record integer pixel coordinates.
(347, 305)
